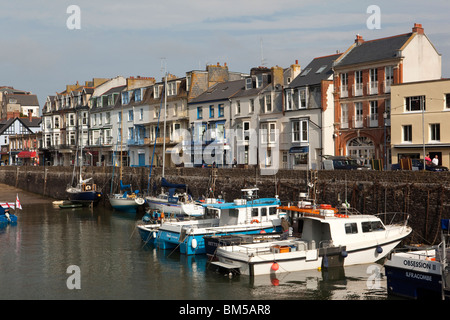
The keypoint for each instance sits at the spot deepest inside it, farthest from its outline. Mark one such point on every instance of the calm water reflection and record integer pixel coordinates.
(114, 264)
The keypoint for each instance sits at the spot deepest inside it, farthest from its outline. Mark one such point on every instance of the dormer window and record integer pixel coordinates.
(125, 98)
(172, 89)
(248, 83)
(259, 80)
(137, 95)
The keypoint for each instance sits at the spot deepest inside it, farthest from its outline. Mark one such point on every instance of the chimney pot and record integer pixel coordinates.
(418, 28)
(359, 39)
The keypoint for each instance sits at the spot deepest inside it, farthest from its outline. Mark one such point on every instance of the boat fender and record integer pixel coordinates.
(379, 249)
(255, 221)
(275, 266)
(154, 235)
(194, 243)
(325, 261)
(344, 254)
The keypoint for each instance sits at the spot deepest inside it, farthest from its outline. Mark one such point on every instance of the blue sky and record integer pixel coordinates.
(40, 54)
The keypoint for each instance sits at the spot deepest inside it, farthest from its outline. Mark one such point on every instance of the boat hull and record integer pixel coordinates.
(412, 277)
(192, 242)
(124, 204)
(163, 205)
(4, 220)
(85, 197)
(255, 259)
(148, 233)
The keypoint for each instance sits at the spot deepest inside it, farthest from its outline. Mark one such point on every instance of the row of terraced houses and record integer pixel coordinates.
(381, 99)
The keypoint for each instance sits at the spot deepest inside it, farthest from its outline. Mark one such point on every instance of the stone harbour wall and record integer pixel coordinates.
(424, 196)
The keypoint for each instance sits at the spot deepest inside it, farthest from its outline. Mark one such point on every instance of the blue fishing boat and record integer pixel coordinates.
(248, 215)
(6, 217)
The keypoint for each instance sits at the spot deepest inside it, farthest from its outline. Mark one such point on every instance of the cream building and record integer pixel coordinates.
(420, 114)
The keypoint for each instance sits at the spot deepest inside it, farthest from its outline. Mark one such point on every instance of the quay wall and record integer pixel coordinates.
(425, 196)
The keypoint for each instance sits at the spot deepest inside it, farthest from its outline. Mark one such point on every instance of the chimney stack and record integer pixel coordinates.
(418, 28)
(359, 40)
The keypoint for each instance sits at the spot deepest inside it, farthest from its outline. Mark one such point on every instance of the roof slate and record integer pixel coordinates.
(313, 77)
(375, 50)
(220, 91)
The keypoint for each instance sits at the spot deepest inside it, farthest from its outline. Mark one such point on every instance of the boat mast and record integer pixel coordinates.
(81, 146)
(121, 143)
(164, 132)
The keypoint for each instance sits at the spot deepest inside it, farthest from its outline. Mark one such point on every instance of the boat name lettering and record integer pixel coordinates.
(417, 264)
(418, 276)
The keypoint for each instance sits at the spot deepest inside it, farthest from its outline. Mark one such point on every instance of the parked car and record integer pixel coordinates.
(417, 165)
(342, 163)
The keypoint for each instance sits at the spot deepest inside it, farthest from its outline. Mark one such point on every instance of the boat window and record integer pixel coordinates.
(272, 211)
(351, 228)
(372, 226)
(254, 212)
(377, 226)
(263, 212)
(233, 213)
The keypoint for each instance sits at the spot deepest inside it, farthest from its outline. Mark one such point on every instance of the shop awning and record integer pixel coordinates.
(26, 154)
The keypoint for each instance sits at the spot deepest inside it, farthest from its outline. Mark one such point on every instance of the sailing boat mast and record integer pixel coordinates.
(164, 131)
(121, 143)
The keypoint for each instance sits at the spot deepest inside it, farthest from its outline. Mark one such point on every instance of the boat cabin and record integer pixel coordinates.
(247, 210)
(332, 226)
(88, 187)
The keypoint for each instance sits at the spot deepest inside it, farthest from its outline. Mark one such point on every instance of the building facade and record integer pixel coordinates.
(308, 116)
(363, 77)
(419, 116)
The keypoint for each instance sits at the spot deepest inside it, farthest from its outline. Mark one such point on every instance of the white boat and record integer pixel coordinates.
(127, 200)
(176, 204)
(420, 272)
(321, 237)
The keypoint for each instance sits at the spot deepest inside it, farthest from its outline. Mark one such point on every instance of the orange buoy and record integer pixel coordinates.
(275, 266)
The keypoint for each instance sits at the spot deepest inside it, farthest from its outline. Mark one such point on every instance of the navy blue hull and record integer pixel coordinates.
(86, 197)
(413, 284)
(5, 221)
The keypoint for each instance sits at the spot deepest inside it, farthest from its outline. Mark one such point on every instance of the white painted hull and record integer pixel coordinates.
(163, 205)
(125, 204)
(258, 259)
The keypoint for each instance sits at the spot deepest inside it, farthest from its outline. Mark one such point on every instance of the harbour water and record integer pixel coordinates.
(51, 251)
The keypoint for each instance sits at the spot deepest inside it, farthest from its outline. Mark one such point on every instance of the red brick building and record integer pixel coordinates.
(363, 76)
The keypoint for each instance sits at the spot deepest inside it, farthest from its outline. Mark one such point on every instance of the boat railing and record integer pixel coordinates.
(394, 218)
(348, 211)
